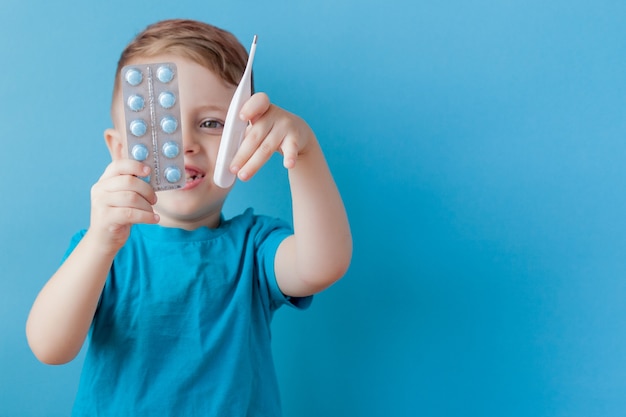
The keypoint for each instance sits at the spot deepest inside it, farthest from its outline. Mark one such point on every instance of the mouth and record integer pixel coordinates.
(193, 177)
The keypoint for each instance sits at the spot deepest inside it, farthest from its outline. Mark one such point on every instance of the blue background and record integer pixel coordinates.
(479, 147)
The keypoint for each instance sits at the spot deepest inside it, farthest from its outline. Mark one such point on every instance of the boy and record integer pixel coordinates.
(177, 300)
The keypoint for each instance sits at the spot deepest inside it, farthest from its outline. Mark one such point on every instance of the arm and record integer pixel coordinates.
(320, 250)
(62, 312)
(61, 315)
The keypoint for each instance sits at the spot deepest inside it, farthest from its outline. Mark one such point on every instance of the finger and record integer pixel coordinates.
(126, 167)
(122, 206)
(289, 148)
(254, 138)
(130, 199)
(130, 215)
(263, 152)
(255, 107)
(126, 183)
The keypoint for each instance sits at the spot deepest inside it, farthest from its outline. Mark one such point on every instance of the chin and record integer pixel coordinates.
(182, 210)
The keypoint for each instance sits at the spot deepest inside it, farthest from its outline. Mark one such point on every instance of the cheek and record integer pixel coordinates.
(211, 146)
(214, 146)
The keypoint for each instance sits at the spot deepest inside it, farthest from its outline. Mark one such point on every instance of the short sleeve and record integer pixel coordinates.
(78, 236)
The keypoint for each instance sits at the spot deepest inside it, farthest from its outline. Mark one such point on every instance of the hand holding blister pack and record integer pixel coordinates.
(153, 132)
(234, 127)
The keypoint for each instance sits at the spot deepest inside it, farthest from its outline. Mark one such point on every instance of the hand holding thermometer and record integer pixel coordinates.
(234, 127)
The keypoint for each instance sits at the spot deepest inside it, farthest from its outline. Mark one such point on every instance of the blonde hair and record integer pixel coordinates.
(215, 49)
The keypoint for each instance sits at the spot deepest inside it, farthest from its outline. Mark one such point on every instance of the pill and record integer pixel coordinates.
(169, 124)
(172, 174)
(133, 77)
(140, 152)
(167, 99)
(135, 102)
(170, 149)
(165, 74)
(138, 127)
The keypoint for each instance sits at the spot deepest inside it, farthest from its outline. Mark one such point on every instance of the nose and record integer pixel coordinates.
(190, 144)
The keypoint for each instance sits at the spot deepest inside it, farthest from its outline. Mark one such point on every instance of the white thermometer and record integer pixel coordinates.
(234, 127)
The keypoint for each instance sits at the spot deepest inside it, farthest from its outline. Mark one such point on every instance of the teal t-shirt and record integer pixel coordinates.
(183, 323)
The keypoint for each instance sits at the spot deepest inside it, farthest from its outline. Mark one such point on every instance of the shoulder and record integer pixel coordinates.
(259, 236)
(258, 227)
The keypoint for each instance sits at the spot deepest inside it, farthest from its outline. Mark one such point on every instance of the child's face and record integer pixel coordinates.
(204, 100)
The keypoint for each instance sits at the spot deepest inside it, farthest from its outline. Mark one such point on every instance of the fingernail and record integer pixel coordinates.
(289, 163)
(146, 169)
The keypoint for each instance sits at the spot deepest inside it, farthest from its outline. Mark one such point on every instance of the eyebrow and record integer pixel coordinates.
(212, 107)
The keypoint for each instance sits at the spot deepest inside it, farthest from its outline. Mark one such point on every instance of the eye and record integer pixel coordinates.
(212, 124)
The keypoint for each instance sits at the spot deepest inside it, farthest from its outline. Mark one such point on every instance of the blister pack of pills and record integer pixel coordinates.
(153, 131)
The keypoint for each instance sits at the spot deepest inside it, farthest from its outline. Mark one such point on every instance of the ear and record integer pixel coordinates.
(115, 143)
